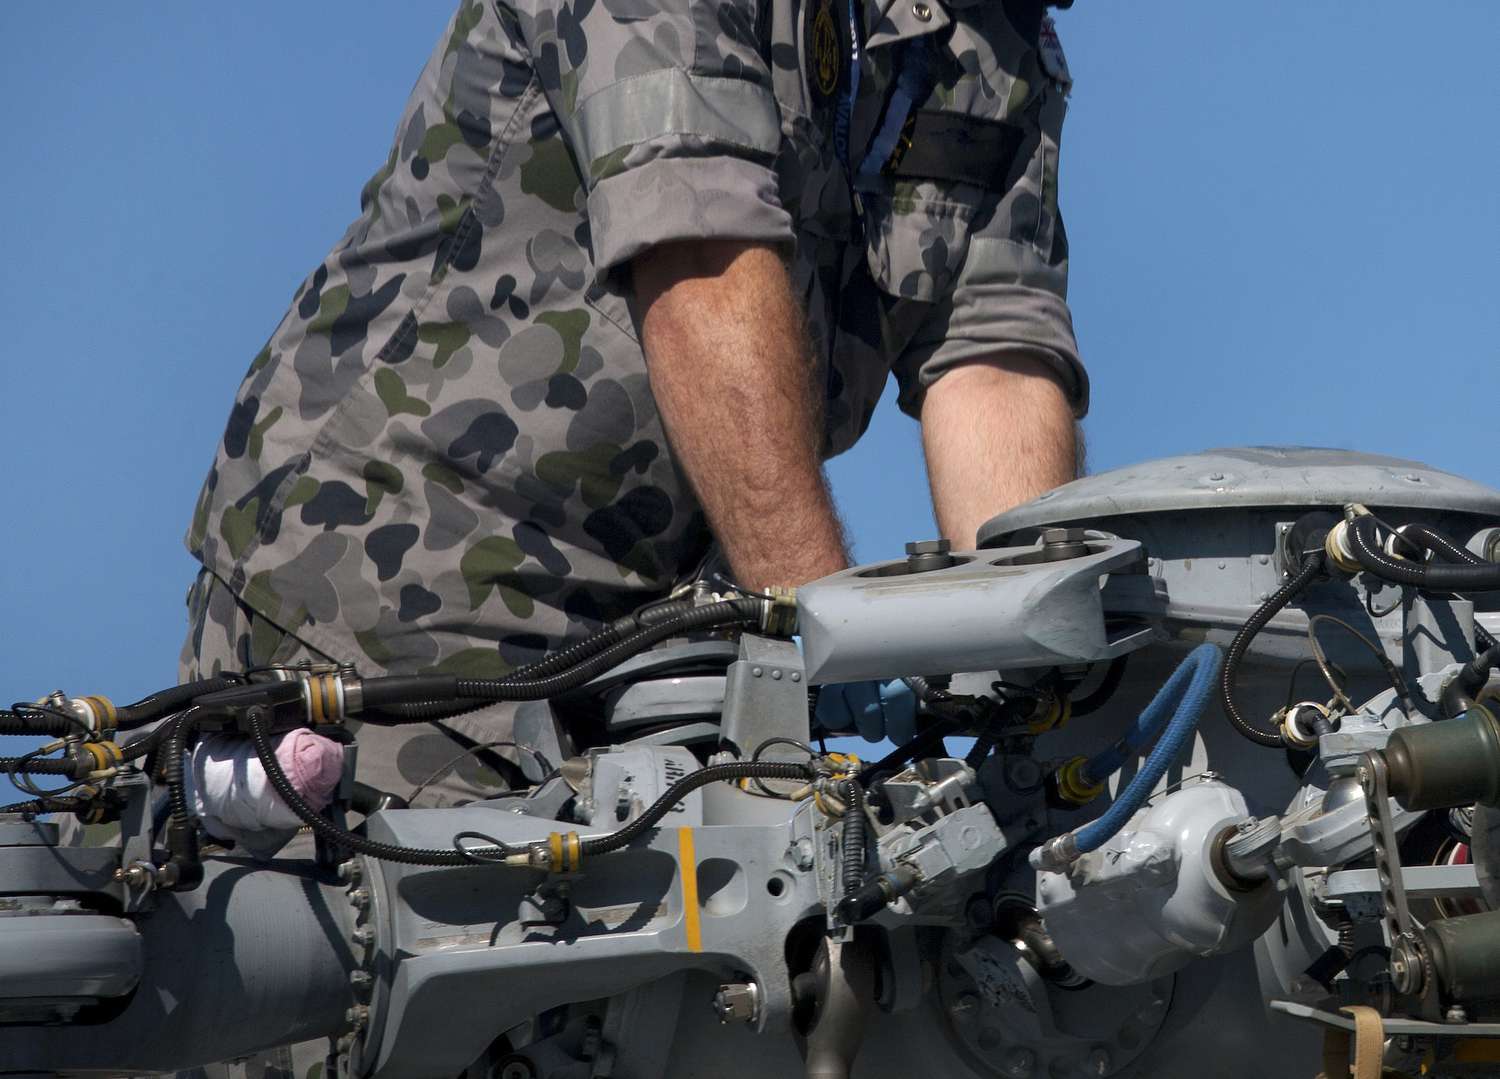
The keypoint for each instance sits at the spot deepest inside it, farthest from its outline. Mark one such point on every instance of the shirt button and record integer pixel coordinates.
(921, 11)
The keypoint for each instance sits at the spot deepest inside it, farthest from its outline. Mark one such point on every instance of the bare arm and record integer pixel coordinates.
(732, 374)
(995, 434)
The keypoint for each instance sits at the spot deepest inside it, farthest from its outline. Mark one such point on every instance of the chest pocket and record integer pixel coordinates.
(969, 178)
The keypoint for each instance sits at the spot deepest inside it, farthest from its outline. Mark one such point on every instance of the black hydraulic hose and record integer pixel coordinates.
(41, 766)
(176, 747)
(1100, 695)
(1467, 577)
(727, 612)
(468, 856)
(172, 700)
(598, 642)
(381, 694)
(393, 715)
(852, 868)
(1312, 565)
(896, 759)
(62, 803)
(1434, 541)
(37, 722)
(1429, 539)
(686, 785)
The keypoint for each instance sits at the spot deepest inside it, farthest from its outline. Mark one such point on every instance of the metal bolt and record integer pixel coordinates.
(359, 898)
(1264, 559)
(921, 11)
(364, 935)
(756, 671)
(1020, 1063)
(516, 1069)
(1215, 477)
(1099, 1061)
(350, 871)
(802, 852)
(737, 1002)
(1456, 1014)
(776, 675)
(357, 1016)
(796, 676)
(937, 546)
(361, 980)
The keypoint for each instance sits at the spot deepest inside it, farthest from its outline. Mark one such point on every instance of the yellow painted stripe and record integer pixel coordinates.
(687, 865)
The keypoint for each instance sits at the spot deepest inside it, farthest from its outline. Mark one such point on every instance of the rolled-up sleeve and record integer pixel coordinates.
(984, 250)
(671, 119)
(1006, 303)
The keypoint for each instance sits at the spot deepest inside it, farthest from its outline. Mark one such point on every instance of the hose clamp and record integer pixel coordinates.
(1074, 785)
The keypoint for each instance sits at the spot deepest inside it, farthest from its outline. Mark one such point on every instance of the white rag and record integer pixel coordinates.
(235, 800)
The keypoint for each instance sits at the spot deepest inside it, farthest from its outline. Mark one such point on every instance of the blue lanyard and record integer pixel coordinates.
(846, 103)
(913, 86)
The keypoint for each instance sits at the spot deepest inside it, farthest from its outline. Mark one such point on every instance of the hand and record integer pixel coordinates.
(875, 709)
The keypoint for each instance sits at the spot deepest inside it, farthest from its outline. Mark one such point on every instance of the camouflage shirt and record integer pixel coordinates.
(448, 456)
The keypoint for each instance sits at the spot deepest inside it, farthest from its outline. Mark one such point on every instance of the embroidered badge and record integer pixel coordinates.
(1050, 52)
(826, 55)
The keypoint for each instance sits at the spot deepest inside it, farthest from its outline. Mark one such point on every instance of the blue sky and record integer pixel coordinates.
(1283, 217)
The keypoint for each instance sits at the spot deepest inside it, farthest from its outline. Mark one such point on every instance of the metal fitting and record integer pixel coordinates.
(1056, 854)
(1074, 785)
(924, 555)
(1059, 544)
(737, 1002)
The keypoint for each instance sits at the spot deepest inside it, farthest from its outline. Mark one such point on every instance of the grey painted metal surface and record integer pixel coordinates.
(436, 963)
(992, 609)
(1249, 476)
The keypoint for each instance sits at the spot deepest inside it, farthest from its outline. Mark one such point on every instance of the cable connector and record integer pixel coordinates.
(778, 615)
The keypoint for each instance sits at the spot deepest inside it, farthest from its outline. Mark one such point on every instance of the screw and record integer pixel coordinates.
(350, 872)
(965, 1007)
(357, 1016)
(756, 671)
(776, 675)
(363, 935)
(1020, 1064)
(360, 899)
(922, 12)
(1456, 1014)
(361, 981)
(796, 676)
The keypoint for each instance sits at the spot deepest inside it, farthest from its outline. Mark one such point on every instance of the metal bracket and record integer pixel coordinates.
(1410, 966)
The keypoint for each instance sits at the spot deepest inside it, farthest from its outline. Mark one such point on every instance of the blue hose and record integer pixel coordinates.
(1184, 695)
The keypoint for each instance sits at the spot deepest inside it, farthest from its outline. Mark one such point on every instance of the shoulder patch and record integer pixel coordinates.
(1050, 52)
